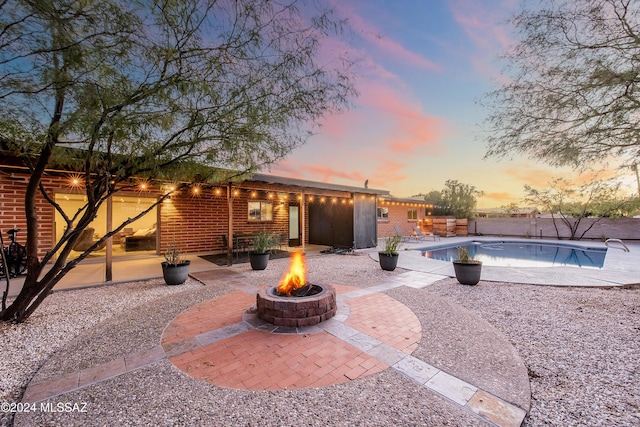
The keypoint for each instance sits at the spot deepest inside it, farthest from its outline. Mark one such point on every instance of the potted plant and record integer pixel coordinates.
(389, 255)
(175, 270)
(262, 244)
(467, 268)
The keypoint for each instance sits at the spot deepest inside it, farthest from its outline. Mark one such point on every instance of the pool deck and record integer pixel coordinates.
(620, 268)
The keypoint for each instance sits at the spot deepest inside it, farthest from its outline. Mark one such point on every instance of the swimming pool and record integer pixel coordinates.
(522, 254)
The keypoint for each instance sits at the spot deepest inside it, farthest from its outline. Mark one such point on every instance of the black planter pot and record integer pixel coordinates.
(175, 274)
(388, 262)
(259, 261)
(467, 273)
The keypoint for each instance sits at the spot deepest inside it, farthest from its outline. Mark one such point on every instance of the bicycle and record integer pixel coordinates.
(15, 256)
(4, 270)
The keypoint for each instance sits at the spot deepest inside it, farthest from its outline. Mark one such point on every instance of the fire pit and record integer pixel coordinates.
(294, 302)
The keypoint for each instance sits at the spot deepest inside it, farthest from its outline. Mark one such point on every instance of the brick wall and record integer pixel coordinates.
(398, 215)
(12, 193)
(196, 222)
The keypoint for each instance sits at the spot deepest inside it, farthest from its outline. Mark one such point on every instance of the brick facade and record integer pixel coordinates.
(13, 189)
(399, 215)
(195, 222)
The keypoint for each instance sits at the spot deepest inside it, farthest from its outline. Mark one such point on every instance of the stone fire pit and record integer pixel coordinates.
(318, 305)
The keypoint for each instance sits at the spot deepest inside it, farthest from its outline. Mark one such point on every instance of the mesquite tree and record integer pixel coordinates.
(117, 89)
(571, 91)
(569, 204)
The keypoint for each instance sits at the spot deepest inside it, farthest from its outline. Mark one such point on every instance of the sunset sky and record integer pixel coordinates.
(423, 65)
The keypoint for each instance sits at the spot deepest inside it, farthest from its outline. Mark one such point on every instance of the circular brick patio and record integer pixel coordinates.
(256, 359)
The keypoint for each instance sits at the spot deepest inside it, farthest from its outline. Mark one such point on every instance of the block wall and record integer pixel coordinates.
(606, 228)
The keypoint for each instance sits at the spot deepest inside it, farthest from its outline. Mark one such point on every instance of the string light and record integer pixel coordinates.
(75, 181)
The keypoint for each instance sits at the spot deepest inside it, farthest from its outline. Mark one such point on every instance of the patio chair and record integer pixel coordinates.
(422, 236)
(283, 240)
(400, 234)
(235, 248)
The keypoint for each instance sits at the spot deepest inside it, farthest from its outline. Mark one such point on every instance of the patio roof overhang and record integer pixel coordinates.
(313, 187)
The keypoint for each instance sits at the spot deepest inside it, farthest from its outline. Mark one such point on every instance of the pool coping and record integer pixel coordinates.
(620, 268)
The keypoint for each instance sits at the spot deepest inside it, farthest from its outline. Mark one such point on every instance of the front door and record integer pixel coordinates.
(294, 225)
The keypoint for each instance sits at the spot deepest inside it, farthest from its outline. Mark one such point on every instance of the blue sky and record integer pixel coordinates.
(423, 65)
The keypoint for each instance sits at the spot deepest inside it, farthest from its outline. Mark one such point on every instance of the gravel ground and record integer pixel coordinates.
(580, 345)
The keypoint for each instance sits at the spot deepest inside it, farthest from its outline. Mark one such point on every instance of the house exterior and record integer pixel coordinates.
(200, 218)
(405, 213)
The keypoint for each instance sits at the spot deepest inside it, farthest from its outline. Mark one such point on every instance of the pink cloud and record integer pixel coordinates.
(336, 127)
(386, 131)
(330, 174)
(483, 24)
(410, 127)
(486, 29)
(385, 45)
(388, 172)
(380, 172)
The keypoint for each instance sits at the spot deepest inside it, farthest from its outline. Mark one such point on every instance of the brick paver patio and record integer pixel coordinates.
(261, 360)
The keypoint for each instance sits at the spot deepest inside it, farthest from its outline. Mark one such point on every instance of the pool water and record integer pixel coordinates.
(523, 254)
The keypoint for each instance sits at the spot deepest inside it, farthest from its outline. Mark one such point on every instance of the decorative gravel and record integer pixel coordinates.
(581, 347)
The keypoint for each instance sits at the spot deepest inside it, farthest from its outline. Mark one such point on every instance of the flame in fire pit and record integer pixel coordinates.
(295, 277)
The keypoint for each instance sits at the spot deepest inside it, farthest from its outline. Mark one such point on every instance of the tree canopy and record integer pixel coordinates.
(118, 89)
(570, 203)
(570, 94)
(457, 199)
